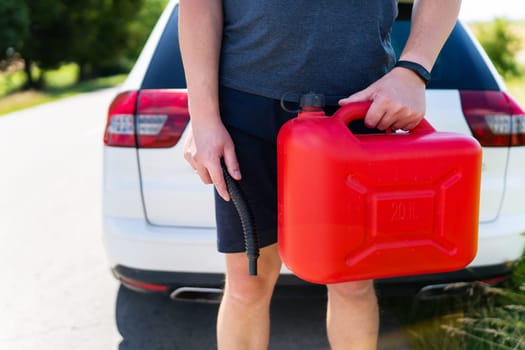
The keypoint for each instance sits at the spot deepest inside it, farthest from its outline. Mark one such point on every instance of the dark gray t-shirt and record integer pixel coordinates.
(277, 47)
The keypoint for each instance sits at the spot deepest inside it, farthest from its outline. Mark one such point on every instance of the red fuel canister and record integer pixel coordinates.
(353, 207)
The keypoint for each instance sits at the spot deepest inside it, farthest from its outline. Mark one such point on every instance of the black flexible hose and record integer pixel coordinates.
(251, 243)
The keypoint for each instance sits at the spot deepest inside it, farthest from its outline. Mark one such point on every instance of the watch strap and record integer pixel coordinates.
(421, 71)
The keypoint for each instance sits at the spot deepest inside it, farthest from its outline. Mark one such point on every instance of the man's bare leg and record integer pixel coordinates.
(352, 316)
(244, 315)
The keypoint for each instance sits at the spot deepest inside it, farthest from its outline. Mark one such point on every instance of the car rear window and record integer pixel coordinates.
(459, 65)
(165, 69)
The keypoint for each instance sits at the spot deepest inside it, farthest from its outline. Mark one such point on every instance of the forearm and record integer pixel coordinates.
(432, 22)
(200, 36)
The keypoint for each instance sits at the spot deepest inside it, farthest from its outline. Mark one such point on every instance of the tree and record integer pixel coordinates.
(14, 25)
(141, 28)
(99, 50)
(502, 45)
(46, 39)
(97, 34)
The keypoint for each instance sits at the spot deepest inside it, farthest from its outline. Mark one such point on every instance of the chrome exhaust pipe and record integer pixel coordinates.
(199, 295)
(445, 290)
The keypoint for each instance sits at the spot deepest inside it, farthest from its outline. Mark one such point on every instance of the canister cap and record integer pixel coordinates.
(312, 99)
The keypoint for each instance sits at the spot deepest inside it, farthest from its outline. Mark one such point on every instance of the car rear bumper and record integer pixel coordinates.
(183, 256)
(138, 279)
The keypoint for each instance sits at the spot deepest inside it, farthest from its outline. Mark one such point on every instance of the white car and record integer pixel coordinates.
(159, 226)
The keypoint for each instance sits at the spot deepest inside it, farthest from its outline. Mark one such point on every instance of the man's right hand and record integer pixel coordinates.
(203, 149)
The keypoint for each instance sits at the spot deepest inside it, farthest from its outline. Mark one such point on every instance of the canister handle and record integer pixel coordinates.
(357, 110)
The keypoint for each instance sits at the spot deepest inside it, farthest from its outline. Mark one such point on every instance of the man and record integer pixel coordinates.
(240, 58)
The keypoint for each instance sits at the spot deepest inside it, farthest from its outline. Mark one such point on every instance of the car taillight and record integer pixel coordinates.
(120, 128)
(157, 118)
(494, 118)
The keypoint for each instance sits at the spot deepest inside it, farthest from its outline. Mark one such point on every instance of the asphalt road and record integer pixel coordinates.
(57, 291)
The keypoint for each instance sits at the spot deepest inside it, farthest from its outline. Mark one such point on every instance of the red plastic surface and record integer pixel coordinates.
(353, 207)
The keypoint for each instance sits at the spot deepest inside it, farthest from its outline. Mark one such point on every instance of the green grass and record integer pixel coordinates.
(484, 318)
(59, 83)
(11, 82)
(64, 77)
(473, 316)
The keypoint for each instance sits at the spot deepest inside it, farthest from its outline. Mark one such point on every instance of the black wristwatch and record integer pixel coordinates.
(416, 68)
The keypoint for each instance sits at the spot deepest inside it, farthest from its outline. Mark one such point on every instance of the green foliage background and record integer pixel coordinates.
(14, 24)
(103, 37)
(503, 45)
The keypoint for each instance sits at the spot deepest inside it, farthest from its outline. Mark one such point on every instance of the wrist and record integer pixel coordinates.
(416, 68)
(206, 122)
(206, 110)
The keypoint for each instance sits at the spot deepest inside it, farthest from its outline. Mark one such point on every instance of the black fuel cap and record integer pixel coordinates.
(312, 99)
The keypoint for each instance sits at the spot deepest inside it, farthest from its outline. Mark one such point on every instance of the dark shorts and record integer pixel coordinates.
(253, 123)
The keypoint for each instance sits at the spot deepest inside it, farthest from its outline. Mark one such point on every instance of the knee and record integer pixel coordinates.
(352, 290)
(252, 290)
(249, 290)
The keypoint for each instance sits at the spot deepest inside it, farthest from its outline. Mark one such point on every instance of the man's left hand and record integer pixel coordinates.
(398, 101)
